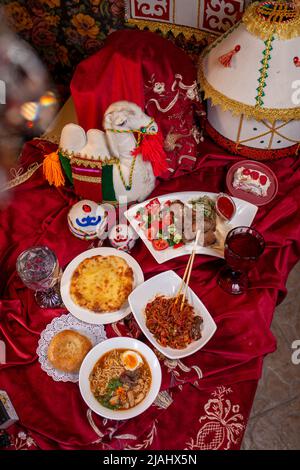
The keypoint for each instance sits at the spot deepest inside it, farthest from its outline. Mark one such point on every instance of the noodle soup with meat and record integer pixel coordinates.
(120, 379)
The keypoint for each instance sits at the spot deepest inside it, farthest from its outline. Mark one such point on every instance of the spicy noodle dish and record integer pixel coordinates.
(171, 323)
(120, 379)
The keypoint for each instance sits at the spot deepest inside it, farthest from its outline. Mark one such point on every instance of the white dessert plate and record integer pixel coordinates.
(248, 196)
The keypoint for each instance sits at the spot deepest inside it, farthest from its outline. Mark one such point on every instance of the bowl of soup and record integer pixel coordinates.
(120, 378)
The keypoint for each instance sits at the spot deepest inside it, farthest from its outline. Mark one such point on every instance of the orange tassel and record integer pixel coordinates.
(52, 170)
(226, 58)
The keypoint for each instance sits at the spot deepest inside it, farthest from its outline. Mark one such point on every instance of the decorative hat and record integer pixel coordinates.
(249, 76)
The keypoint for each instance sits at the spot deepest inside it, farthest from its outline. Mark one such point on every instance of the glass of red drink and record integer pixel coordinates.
(243, 247)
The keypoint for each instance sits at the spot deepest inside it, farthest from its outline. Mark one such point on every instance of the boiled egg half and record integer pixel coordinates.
(131, 360)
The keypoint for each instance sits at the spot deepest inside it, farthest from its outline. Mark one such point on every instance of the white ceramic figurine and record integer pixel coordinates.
(131, 143)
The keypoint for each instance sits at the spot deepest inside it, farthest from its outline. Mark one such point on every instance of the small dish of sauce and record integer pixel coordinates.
(225, 206)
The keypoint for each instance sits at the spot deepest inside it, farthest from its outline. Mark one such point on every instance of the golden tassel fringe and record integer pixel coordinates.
(261, 27)
(238, 108)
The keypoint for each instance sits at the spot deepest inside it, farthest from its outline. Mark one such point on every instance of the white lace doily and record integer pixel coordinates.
(96, 334)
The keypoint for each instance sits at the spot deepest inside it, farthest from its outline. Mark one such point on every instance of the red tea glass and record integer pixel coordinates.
(243, 247)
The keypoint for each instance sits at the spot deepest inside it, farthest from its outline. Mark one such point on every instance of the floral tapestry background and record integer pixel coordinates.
(64, 32)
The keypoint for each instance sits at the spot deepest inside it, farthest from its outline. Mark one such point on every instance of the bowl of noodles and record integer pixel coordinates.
(120, 378)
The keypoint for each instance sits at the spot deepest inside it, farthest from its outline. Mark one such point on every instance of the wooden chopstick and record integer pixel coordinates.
(190, 269)
(183, 279)
(187, 272)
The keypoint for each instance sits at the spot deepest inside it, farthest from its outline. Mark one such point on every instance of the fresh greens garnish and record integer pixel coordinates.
(177, 238)
(112, 385)
(205, 205)
(104, 400)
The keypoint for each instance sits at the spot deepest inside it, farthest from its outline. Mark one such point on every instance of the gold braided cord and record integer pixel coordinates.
(87, 179)
(129, 185)
(237, 108)
(21, 178)
(187, 31)
(141, 131)
(283, 20)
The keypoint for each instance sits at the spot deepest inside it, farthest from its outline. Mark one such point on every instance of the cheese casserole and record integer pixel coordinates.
(102, 283)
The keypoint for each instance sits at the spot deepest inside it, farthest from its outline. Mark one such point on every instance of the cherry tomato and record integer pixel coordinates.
(138, 216)
(167, 203)
(178, 245)
(154, 202)
(160, 244)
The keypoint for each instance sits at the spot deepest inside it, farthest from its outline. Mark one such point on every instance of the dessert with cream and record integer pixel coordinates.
(252, 181)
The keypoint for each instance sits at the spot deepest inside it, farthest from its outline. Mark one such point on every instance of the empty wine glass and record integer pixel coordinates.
(243, 247)
(39, 270)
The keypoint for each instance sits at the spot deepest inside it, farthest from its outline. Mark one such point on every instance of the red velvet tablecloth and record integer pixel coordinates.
(205, 399)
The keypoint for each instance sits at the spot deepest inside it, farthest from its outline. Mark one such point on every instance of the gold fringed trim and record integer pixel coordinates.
(237, 108)
(87, 179)
(84, 160)
(86, 163)
(187, 31)
(263, 26)
(21, 178)
(53, 138)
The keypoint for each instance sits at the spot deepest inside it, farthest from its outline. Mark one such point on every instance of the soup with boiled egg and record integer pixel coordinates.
(120, 379)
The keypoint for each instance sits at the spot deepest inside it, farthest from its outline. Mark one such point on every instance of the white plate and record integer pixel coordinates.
(84, 314)
(96, 353)
(167, 284)
(244, 215)
(95, 333)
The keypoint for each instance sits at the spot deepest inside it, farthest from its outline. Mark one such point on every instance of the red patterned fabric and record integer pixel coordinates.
(157, 76)
(225, 372)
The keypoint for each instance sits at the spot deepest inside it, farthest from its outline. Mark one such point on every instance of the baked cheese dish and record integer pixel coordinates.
(102, 283)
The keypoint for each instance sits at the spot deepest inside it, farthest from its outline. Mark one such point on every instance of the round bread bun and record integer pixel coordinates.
(67, 350)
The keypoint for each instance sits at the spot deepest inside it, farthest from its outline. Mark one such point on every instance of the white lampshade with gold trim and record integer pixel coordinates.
(250, 77)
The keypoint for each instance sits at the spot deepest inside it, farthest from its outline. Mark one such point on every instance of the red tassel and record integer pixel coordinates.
(226, 58)
(152, 150)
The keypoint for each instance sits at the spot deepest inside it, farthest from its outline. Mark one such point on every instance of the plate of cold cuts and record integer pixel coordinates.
(168, 224)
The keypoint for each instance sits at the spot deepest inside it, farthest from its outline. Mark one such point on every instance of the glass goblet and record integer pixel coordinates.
(39, 270)
(243, 247)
